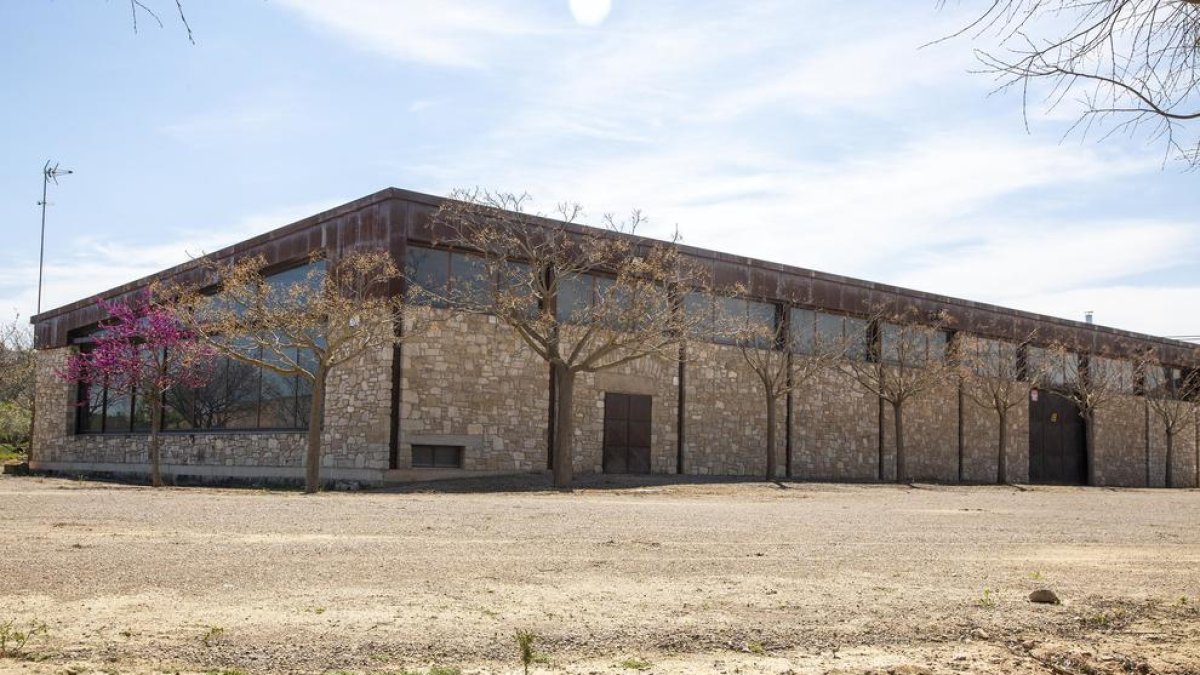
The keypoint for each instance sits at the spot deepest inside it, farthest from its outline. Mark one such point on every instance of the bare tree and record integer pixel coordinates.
(909, 359)
(140, 6)
(783, 365)
(583, 301)
(1130, 64)
(1091, 382)
(1171, 395)
(307, 328)
(988, 369)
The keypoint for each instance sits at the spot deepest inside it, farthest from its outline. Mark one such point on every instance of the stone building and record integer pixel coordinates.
(469, 398)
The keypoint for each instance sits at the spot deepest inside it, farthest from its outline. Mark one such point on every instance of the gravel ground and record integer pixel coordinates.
(675, 578)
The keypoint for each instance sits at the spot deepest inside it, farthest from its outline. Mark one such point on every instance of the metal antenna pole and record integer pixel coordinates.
(49, 173)
(42, 244)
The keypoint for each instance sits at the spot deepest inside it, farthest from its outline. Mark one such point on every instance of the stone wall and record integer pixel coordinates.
(1183, 449)
(836, 429)
(471, 381)
(355, 432)
(651, 375)
(930, 434)
(981, 438)
(1120, 452)
(726, 415)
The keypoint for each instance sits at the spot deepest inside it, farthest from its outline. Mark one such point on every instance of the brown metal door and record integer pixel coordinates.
(626, 433)
(1057, 452)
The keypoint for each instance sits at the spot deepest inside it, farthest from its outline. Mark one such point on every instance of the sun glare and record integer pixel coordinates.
(590, 12)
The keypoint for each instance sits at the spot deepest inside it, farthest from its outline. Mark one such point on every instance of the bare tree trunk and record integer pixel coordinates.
(564, 435)
(1146, 408)
(771, 468)
(1170, 474)
(312, 458)
(898, 421)
(156, 415)
(881, 426)
(1089, 435)
(1002, 456)
(962, 445)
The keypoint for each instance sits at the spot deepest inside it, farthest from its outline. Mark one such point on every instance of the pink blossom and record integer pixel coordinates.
(144, 347)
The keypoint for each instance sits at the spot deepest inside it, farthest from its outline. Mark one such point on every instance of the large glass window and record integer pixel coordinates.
(801, 327)
(1113, 374)
(575, 297)
(814, 331)
(911, 345)
(470, 282)
(727, 320)
(442, 278)
(1052, 367)
(429, 270)
(993, 358)
(857, 338)
(699, 309)
(235, 396)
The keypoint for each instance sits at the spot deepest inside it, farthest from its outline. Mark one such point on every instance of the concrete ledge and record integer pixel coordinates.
(421, 475)
(212, 472)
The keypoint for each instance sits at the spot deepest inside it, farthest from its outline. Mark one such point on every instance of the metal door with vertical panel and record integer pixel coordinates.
(626, 433)
(1057, 452)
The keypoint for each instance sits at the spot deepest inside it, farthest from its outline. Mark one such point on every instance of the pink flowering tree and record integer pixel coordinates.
(142, 347)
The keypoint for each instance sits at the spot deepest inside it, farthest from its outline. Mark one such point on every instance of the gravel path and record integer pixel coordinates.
(708, 577)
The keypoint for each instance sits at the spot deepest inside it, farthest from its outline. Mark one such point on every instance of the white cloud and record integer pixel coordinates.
(252, 117)
(453, 33)
(1018, 260)
(1152, 309)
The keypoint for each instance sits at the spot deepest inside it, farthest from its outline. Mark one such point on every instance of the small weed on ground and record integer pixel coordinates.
(987, 600)
(14, 638)
(1106, 619)
(636, 663)
(212, 636)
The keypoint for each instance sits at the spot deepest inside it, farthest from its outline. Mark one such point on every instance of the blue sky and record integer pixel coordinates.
(811, 132)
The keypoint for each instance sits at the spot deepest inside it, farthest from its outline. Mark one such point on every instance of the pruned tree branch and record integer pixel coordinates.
(1130, 65)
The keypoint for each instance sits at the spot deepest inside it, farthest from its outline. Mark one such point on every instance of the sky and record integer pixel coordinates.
(814, 133)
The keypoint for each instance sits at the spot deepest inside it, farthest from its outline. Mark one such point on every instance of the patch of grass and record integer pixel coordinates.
(227, 671)
(1182, 601)
(756, 648)
(11, 454)
(525, 640)
(1035, 575)
(212, 636)
(1105, 619)
(636, 663)
(444, 670)
(987, 600)
(14, 638)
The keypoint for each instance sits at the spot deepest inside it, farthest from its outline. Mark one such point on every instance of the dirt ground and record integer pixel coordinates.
(612, 578)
